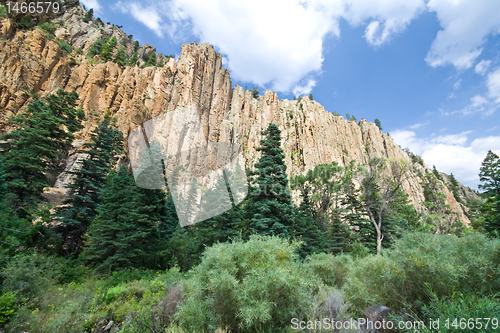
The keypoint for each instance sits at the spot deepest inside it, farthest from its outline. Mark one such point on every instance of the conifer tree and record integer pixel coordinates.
(126, 231)
(108, 48)
(490, 178)
(80, 208)
(38, 145)
(151, 60)
(121, 57)
(270, 209)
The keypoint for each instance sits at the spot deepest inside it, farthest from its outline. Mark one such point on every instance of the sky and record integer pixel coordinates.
(429, 70)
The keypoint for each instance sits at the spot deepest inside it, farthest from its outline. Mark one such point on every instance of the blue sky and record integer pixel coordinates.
(428, 69)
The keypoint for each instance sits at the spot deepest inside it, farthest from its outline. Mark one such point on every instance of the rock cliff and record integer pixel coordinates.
(31, 66)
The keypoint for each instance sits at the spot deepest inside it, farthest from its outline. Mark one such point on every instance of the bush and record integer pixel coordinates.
(30, 274)
(67, 49)
(249, 286)
(330, 269)
(48, 29)
(8, 306)
(421, 267)
(457, 307)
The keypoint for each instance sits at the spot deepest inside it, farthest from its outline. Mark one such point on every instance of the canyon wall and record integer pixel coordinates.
(32, 67)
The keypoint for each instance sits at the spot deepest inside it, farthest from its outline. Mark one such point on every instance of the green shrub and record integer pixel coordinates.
(48, 29)
(96, 48)
(249, 286)
(30, 274)
(67, 49)
(421, 265)
(8, 306)
(330, 269)
(458, 310)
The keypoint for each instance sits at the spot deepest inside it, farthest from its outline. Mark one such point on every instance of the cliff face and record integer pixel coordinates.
(32, 66)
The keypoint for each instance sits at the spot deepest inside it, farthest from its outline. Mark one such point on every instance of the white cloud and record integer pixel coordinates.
(387, 17)
(91, 4)
(305, 89)
(419, 125)
(482, 67)
(493, 83)
(148, 16)
(457, 84)
(451, 153)
(466, 24)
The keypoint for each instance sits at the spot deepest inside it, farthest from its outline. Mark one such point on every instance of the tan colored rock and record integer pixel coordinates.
(310, 134)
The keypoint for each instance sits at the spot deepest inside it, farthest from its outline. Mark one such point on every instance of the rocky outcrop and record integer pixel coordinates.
(32, 66)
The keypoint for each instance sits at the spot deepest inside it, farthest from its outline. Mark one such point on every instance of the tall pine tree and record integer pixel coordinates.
(38, 146)
(490, 178)
(269, 208)
(80, 208)
(126, 231)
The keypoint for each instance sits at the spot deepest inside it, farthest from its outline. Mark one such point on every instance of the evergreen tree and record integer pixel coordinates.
(454, 188)
(377, 122)
(96, 48)
(121, 56)
(80, 208)
(38, 146)
(108, 48)
(151, 60)
(270, 209)
(489, 174)
(126, 231)
(133, 60)
(490, 179)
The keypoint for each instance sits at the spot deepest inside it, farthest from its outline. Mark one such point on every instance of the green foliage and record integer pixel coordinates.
(310, 97)
(254, 286)
(255, 92)
(24, 22)
(108, 48)
(377, 122)
(37, 146)
(88, 16)
(462, 306)
(48, 29)
(3, 11)
(96, 48)
(133, 59)
(80, 209)
(8, 306)
(67, 48)
(151, 60)
(269, 209)
(332, 270)
(421, 266)
(126, 231)
(490, 174)
(121, 57)
(415, 158)
(30, 274)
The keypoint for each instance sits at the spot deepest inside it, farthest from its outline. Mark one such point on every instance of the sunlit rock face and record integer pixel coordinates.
(32, 66)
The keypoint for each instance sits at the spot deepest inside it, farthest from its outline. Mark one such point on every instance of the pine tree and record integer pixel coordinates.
(38, 146)
(108, 48)
(80, 208)
(126, 231)
(490, 179)
(151, 60)
(270, 209)
(377, 122)
(121, 57)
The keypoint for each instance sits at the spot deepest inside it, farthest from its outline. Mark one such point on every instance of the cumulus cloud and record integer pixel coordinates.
(91, 4)
(451, 153)
(147, 15)
(386, 17)
(482, 67)
(493, 83)
(279, 44)
(466, 24)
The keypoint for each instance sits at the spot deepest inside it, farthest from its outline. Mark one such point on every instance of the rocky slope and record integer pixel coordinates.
(32, 66)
